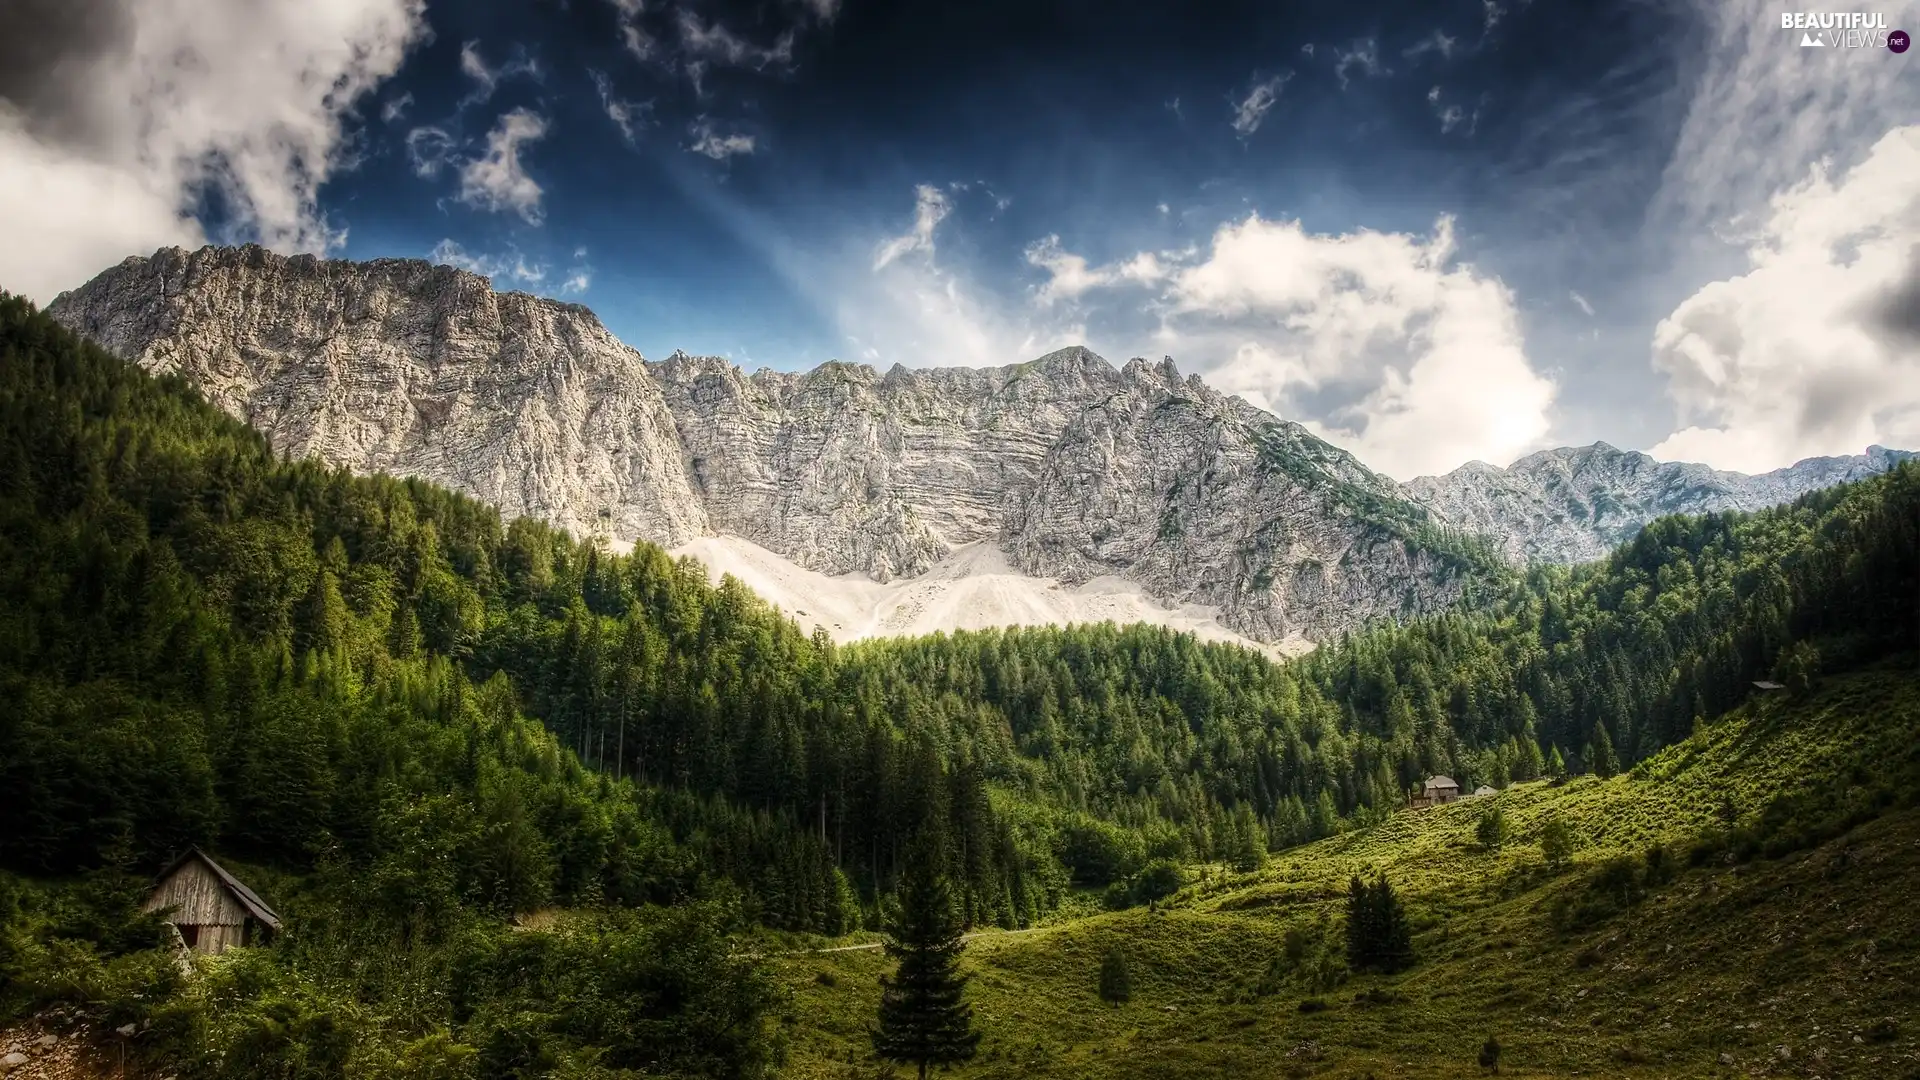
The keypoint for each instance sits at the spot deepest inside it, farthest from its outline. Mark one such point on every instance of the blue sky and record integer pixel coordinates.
(1433, 232)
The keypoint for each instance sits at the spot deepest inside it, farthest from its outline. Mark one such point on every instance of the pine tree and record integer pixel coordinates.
(1379, 936)
(924, 1019)
(1490, 1054)
(1556, 764)
(1116, 983)
(1601, 760)
(1556, 842)
(1492, 831)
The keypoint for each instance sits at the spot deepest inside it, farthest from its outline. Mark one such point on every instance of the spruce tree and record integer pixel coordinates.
(924, 1019)
(1396, 933)
(1116, 983)
(1492, 830)
(1379, 937)
(1601, 760)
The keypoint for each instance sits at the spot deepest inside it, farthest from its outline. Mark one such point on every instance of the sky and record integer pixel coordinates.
(1432, 232)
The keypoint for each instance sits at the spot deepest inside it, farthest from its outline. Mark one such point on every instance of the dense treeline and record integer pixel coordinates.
(262, 652)
(430, 719)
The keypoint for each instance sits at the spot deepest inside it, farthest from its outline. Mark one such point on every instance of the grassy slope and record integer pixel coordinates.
(1804, 953)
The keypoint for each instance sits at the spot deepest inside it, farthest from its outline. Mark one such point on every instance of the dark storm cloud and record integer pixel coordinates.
(1897, 312)
(46, 48)
(1835, 401)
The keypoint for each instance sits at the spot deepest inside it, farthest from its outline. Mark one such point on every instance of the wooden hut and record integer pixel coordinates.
(211, 908)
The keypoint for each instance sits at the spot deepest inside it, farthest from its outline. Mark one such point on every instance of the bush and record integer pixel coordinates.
(1159, 879)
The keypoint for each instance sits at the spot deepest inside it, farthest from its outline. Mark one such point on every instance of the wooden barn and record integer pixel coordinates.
(211, 908)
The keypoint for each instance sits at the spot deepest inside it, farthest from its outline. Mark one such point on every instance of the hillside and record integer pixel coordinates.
(1783, 947)
(412, 724)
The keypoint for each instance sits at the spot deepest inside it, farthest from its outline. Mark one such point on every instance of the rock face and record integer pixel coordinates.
(1576, 503)
(1078, 470)
(404, 367)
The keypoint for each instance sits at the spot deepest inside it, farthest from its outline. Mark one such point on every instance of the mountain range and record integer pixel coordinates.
(1047, 487)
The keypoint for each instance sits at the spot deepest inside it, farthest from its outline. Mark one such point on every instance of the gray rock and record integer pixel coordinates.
(1576, 503)
(12, 1061)
(1078, 469)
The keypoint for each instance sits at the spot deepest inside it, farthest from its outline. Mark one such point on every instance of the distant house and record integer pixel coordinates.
(211, 908)
(1765, 684)
(1484, 790)
(1437, 791)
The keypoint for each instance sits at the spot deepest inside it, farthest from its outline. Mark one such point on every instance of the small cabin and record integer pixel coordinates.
(211, 908)
(1438, 791)
(1484, 789)
(1767, 684)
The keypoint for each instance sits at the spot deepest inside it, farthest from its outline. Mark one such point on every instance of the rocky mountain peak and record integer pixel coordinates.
(1077, 471)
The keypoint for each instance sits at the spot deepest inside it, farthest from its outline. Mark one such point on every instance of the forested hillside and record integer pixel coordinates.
(423, 720)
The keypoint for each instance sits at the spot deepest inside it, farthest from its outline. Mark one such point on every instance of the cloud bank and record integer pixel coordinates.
(1816, 348)
(117, 116)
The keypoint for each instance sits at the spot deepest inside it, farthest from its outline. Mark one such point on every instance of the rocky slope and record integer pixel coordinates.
(1576, 503)
(1078, 470)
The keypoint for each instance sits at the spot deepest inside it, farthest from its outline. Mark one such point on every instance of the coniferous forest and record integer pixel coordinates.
(424, 721)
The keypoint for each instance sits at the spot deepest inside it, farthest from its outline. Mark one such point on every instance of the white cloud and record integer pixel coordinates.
(123, 113)
(1764, 110)
(1491, 14)
(1252, 109)
(1580, 302)
(714, 42)
(1365, 55)
(930, 207)
(396, 108)
(1450, 117)
(1380, 342)
(511, 267)
(497, 180)
(474, 66)
(1437, 41)
(1069, 275)
(628, 116)
(824, 10)
(428, 148)
(1816, 348)
(708, 142)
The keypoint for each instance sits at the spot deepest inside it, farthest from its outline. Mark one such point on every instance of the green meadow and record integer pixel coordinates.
(1783, 943)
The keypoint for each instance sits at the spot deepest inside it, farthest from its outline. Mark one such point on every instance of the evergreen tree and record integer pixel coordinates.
(1492, 830)
(1490, 1055)
(1556, 764)
(1116, 983)
(1379, 937)
(1601, 760)
(924, 1018)
(1556, 842)
(1798, 669)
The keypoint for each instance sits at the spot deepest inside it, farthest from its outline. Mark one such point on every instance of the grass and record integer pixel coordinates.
(1807, 964)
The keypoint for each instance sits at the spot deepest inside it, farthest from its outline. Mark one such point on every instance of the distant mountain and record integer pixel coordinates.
(1576, 503)
(1078, 470)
